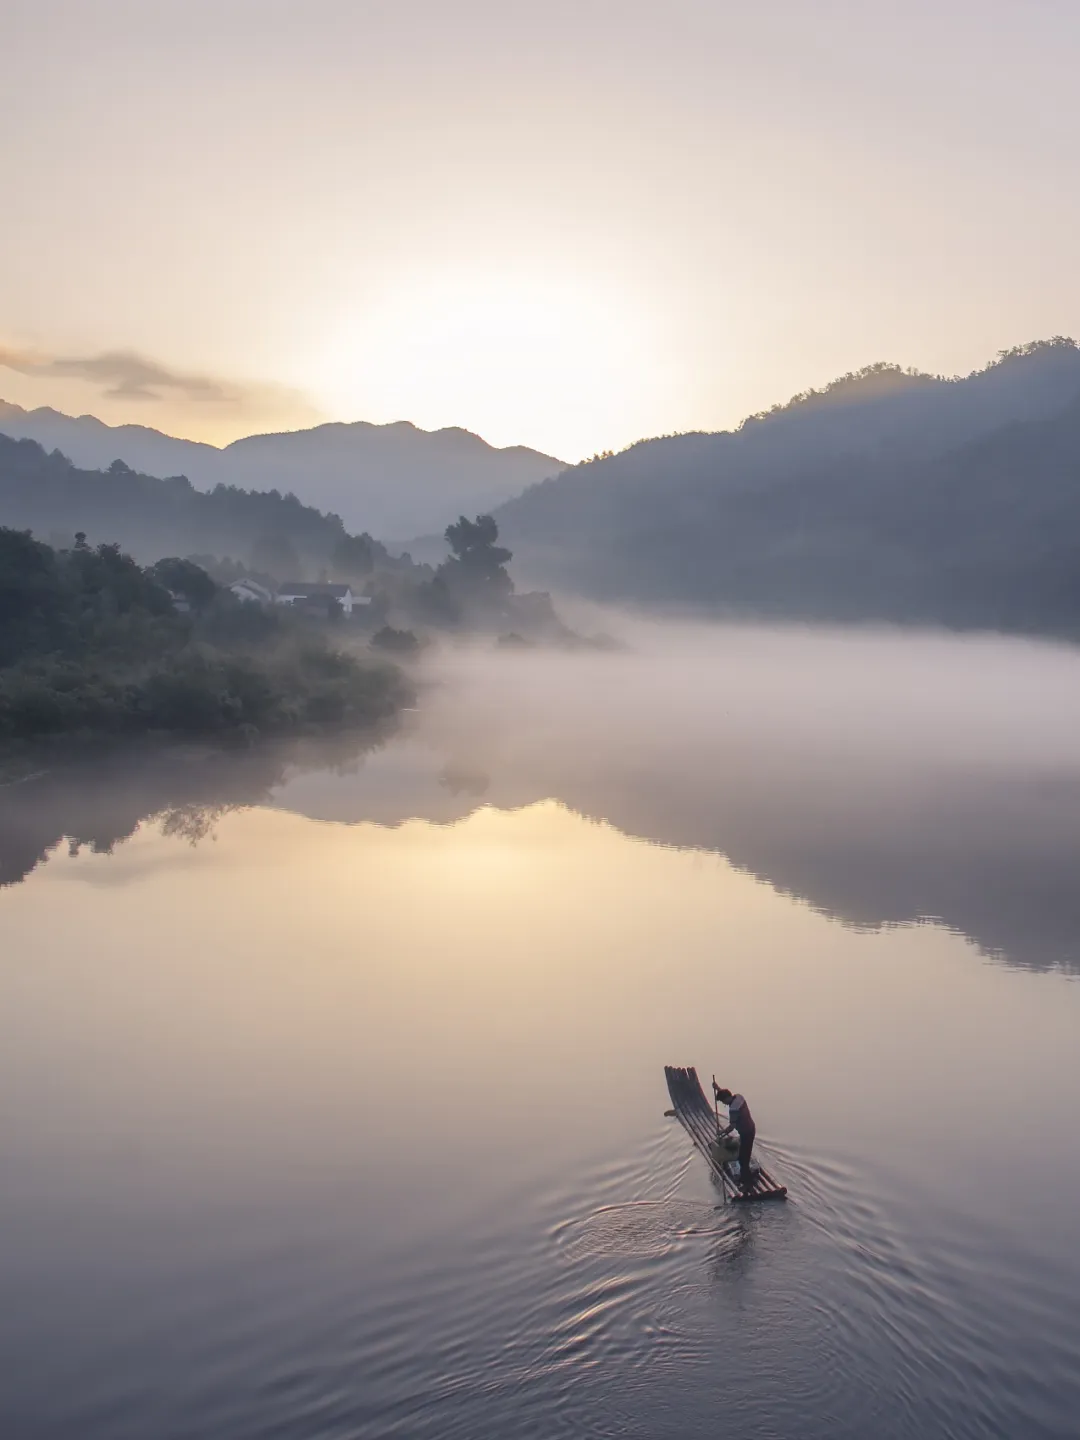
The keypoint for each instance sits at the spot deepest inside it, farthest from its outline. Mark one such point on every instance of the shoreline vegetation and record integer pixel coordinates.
(272, 539)
(95, 647)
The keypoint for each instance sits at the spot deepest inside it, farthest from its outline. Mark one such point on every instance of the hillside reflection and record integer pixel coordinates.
(871, 825)
(994, 858)
(99, 805)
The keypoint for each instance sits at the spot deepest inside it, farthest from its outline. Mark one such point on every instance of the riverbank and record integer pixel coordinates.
(94, 647)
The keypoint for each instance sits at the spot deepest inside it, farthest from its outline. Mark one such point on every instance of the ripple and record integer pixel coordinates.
(625, 1304)
(644, 1229)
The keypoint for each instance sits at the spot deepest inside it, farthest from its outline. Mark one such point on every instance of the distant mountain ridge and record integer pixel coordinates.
(891, 495)
(392, 481)
(151, 517)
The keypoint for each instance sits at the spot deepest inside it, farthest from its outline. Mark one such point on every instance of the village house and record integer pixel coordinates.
(251, 592)
(297, 592)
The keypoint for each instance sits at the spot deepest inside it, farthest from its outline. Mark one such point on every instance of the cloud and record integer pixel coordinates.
(125, 375)
(203, 407)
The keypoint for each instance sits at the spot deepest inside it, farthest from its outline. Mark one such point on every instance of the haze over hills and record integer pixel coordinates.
(393, 480)
(152, 517)
(890, 495)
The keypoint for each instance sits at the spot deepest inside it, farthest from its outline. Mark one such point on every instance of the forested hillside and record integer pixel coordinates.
(266, 530)
(888, 496)
(394, 480)
(93, 644)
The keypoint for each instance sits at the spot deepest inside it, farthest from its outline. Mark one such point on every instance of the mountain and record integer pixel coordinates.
(890, 495)
(390, 480)
(150, 517)
(92, 445)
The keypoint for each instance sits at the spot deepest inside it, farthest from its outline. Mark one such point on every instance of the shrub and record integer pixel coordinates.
(395, 642)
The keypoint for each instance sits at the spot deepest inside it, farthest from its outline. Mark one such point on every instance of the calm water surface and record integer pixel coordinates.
(339, 1111)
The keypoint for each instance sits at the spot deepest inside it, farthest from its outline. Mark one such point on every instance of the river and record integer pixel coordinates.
(331, 1086)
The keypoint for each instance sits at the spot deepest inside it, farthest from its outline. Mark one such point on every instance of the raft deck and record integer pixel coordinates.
(698, 1119)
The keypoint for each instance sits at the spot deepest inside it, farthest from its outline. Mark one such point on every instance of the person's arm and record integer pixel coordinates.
(727, 1131)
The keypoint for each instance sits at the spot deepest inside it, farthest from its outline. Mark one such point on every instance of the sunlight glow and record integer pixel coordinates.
(518, 359)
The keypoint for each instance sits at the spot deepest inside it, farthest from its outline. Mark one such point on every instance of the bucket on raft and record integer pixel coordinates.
(725, 1149)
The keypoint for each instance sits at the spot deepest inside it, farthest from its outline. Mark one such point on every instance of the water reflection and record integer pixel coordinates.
(99, 804)
(883, 780)
(359, 1130)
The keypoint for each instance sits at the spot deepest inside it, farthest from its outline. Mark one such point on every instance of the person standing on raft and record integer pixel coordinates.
(742, 1122)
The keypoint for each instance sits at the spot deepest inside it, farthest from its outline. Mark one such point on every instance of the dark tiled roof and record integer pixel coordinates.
(303, 589)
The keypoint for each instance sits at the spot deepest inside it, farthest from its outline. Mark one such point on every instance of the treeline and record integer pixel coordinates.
(887, 496)
(264, 531)
(186, 788)
(93, 643)
(230, 533)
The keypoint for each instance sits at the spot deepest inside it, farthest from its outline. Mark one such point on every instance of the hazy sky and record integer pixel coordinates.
(566, 224)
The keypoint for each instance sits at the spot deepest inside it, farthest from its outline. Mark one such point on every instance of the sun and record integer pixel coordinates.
(552, 362)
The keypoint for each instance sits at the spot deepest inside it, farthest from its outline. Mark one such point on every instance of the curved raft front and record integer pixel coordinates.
(698, 1119)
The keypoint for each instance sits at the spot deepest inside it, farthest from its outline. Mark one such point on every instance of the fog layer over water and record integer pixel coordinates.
(341, 1113)
(882, 776)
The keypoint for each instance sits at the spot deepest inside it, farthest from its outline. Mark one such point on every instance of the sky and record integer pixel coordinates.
(568, 225)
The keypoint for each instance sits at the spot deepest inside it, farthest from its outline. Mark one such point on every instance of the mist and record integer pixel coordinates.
(886, 777)
(885, 693)
(348, 995)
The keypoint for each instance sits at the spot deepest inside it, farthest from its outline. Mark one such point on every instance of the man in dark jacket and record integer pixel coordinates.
(742, 1122)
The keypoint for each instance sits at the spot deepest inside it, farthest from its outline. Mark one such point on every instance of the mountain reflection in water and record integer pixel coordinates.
(884, 779)
(337, 1109)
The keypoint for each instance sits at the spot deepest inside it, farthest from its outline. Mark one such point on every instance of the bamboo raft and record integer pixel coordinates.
(698, 1119)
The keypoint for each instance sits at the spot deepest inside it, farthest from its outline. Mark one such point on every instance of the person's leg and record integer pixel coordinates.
(746, 1149)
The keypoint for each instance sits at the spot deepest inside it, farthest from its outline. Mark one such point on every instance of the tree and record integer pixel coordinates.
(395, 642)
(91, 643)
(473, 543)
(476, 572)
(433, 603)
(109, 583)
(32, 598)
(353, 557)
(186, 579)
